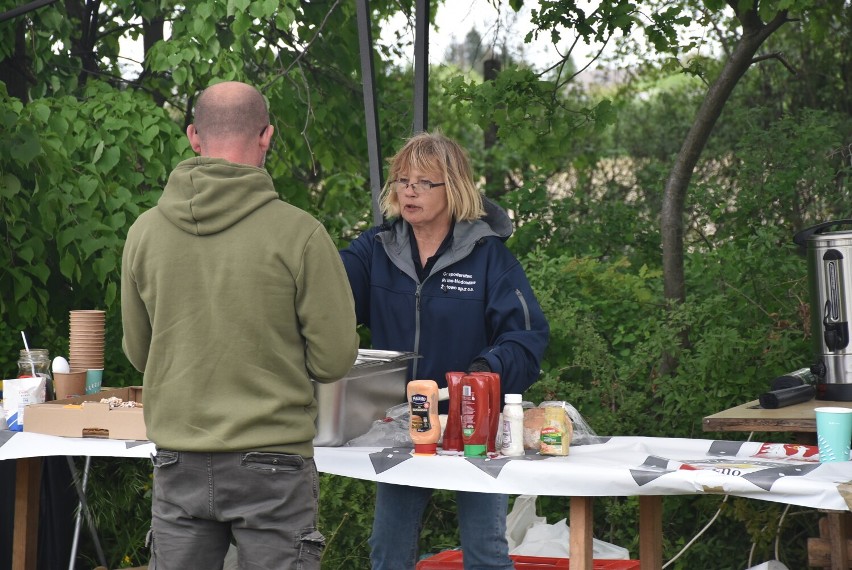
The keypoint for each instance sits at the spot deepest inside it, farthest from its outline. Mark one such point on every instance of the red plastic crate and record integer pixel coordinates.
(453, 560)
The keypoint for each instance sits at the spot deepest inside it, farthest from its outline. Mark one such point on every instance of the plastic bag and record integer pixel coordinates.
(18, 394)
(583, 433)
(546, 540)
(552, 540)
(771, 565)
(391, 431)
(549, 540)
(522, 516)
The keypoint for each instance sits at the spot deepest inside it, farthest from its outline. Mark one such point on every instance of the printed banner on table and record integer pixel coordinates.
(617, 466)
(603, 467)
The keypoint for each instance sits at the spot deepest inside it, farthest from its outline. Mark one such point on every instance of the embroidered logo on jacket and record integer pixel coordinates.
(451, 281)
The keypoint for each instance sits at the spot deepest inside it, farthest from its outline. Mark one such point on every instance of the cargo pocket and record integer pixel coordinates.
(149, 544)
(272, 462)
(165, 458)
(311, 546)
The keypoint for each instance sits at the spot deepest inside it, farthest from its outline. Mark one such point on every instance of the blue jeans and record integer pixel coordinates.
(266, 501)
(398, 521)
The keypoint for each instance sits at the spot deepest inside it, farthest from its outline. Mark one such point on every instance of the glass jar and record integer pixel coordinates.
(36, 362)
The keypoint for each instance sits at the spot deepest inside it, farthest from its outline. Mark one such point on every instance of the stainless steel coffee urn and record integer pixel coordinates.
(829, 255)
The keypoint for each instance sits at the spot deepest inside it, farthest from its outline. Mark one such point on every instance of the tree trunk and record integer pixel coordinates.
(15, 69)
(85, 14)
(152, 32)
(754, 34)
(494, 186)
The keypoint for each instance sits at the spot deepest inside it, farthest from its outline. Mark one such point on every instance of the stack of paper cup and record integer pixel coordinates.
(86, 346)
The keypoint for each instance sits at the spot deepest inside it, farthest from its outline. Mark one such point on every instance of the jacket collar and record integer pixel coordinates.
(395, 236)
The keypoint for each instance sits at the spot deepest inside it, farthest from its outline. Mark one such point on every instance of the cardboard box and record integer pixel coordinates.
(85, 416)
(346, 408)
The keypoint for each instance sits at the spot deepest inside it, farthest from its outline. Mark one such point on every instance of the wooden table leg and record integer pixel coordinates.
(581, 525)
(27, 489)
(833, 547)
(837, 528)
(650, 532)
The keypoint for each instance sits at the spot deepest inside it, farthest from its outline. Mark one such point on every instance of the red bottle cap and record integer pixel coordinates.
(425, 448)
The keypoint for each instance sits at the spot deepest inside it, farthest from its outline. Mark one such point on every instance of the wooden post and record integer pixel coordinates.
(650, 532)
(581, 524)
(833, 548)
(27, 489)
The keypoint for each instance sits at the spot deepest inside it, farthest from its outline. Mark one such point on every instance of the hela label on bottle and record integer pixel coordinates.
(468, 411)
(420, 413)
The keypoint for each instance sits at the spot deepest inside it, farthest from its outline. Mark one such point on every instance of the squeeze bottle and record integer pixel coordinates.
(452, 433)
(513, 426)
(424, 427)
(475, 414)
(494, 428)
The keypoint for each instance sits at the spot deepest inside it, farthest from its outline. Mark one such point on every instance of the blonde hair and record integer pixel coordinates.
(433, 152)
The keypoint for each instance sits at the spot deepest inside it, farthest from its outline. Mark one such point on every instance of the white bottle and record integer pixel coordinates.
(513, 426)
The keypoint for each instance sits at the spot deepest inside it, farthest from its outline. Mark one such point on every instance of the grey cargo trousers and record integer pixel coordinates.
(266, 501)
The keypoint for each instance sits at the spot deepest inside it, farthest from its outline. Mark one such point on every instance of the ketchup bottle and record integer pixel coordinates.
(493, 379)
(475, 414)
(452, 432)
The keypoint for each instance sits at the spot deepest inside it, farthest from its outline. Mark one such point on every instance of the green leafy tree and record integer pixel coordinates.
(89, 149)
(582, 172)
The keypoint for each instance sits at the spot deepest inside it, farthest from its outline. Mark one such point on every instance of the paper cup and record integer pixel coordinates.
(94, 377)
(70, 384)
(834, 433)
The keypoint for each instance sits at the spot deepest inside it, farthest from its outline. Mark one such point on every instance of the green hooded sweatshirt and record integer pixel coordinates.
(231, 301)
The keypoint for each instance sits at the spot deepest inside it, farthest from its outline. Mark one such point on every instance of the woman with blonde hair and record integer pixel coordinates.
(437, 279)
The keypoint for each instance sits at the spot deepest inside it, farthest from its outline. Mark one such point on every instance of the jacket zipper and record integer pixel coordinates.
(416, 329)
(525, 307)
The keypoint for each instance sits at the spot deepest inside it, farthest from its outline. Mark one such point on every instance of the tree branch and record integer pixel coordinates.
(305, 50)
(15, 12)
(780, 57)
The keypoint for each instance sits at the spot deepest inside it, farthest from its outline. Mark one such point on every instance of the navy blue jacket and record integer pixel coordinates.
(475, 303)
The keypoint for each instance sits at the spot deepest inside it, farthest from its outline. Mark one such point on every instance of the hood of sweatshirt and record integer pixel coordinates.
(205, 196)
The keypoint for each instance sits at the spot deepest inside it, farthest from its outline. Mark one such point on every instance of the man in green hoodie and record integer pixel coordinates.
(231, 301)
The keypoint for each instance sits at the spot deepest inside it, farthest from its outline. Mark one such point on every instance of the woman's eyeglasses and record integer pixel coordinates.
(402, 184)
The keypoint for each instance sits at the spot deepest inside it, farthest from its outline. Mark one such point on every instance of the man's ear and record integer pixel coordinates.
(266, 138)
(194, 139)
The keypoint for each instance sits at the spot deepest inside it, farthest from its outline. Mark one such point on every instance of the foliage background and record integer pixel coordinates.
(580, 167)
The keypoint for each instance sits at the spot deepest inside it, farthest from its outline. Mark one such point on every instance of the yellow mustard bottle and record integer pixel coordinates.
(424, 427)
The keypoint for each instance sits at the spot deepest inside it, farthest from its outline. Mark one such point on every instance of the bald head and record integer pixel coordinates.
(231, 118)
(230, 109)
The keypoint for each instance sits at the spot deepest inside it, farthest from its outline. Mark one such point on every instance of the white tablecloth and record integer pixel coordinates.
(617, 466)
(16, 445)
